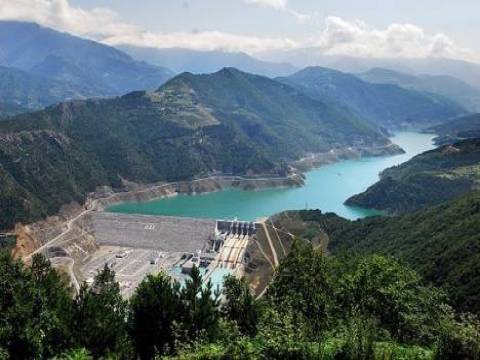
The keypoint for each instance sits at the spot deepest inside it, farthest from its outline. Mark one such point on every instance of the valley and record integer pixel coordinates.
(325, 188)
(174, 188)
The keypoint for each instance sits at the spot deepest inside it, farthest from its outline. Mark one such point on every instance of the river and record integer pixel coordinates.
(325, 188)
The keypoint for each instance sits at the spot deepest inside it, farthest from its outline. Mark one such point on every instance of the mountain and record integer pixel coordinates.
(229, 122)
(9, 109)
(442, 243)
(428, 179)
(468, 72)
(201, 62)
(32, 91)
(89, 68)
(386, 105)
(465, 127)
(447, 86)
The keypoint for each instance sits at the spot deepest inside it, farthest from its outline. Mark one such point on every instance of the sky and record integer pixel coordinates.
(366, 28)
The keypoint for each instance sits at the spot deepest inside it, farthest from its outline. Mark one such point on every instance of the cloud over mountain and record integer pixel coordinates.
(336, 36)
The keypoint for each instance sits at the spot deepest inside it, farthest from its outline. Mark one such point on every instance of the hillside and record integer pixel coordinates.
(201, 62)
(464, 127)
(469, 72)
(427, 179)
(32, 92)
(228, 122)
(9, 109)
(87, 67)
(447, 86)
(442, 243)
(386, 105)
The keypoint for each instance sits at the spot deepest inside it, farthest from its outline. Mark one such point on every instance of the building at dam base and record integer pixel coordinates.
(137, 245)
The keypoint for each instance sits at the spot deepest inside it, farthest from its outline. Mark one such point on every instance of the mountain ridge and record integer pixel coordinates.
(84, 67)
(182, 60)
(383, 104)
(229, 122)
(444, 85)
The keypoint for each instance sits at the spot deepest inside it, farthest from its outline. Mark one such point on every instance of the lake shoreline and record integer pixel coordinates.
(325, 187)
(34, 235)
(215, 183)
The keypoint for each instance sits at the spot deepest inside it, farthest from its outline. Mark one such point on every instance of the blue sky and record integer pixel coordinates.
(381, 28)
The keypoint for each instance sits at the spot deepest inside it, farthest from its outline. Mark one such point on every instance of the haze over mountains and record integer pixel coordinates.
(447, 86)
(67, 67)
(201, 62)
(466, 71)
(386, 105)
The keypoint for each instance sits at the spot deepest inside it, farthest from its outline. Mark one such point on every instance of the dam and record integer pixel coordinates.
(137, 245)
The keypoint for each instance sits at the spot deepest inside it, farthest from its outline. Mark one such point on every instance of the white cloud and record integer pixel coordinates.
(276, 4)
(58, 14)
(104, 25)
(282, 5)
(210, 40)
(356, 38)
(339, 36)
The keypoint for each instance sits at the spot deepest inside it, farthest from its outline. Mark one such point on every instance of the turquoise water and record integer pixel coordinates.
(217, 276)
(326, 188)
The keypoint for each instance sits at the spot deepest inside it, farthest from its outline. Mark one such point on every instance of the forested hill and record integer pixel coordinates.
(384, 104)
(427, 179)
(442, 243)
(464, 127)
(452, 88)
(229, 122)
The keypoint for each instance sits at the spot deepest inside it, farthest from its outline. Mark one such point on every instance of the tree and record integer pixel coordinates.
(393, 295)
(99, 316)
(199, 309)
(303, 282)
(34, 309)
(240, 305)
(153, 309)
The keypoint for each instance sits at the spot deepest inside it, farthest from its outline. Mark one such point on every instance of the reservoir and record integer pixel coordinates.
(326, 188)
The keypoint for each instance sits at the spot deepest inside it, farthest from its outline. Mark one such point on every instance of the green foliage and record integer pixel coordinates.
(359, 341)
(153, 309)
(99, 314)
(199, 313)
(303, 282)
(426, 180)
(34, 309)
(240, 305)
(395, 298)
(355, 309)
(75, 354)
(441, 243)
(460, 340)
